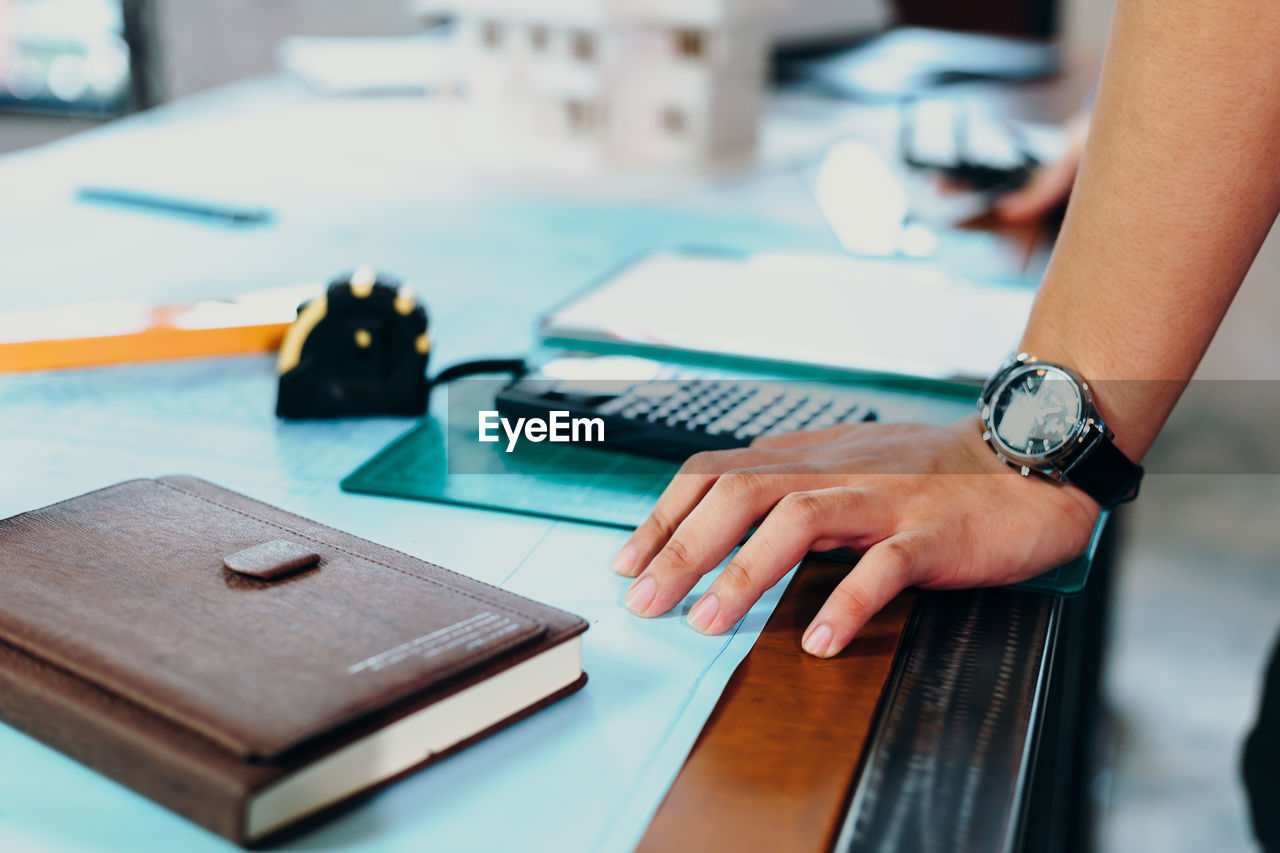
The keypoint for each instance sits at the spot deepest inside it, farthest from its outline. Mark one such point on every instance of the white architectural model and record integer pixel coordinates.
(675, 82)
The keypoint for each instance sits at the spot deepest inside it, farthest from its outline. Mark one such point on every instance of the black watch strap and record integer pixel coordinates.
(1105, 474)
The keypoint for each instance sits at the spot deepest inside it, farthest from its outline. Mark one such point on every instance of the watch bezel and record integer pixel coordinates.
(1087, 429)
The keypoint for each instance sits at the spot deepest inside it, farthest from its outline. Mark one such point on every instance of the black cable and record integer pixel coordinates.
(516, 367)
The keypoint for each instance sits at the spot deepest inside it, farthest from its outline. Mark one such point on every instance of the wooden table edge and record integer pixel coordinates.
(774, 765)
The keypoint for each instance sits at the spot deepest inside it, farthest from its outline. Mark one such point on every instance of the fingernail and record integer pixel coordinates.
(640, 595)
(625, 562)
(817, 640)
(702, 614)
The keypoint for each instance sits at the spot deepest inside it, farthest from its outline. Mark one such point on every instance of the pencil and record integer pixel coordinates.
(184, 207)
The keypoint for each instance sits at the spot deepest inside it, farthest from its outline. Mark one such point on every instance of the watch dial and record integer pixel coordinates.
(1036, 411)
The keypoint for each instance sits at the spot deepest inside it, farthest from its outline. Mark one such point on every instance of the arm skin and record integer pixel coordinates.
(1179, 184)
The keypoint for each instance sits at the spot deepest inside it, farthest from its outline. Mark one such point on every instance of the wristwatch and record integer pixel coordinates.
(1040, 416)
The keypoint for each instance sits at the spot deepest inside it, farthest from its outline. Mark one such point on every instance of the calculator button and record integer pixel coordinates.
(723, 402)
(795, 399)
(722, 426)
(780, 409)
(655, 390)
(617, 404)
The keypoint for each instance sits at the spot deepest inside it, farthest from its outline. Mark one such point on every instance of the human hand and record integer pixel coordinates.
(927, 506)
(1051, 183)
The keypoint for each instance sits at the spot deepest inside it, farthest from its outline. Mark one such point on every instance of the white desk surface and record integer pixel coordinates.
(355, 182)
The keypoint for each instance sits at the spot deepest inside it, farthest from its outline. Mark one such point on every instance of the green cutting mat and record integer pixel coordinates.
(553, 481)
(557, 481)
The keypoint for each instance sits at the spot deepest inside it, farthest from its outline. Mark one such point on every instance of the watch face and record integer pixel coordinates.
(1036, 411)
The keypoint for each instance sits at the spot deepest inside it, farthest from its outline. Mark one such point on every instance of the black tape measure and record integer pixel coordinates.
(360, 349)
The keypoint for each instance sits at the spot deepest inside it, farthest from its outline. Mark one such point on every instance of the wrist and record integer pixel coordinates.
(1072, 500)
(1041, 418)
(1134, 389)
(1124, 404)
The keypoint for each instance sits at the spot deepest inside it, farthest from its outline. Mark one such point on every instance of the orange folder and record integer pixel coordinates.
(117, 332)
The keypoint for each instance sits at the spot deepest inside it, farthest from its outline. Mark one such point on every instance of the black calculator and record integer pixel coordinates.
(673, 413)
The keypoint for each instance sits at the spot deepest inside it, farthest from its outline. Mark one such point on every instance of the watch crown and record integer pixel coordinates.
(986, 436)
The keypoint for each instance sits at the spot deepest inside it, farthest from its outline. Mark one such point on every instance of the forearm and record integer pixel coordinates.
(1179, 185)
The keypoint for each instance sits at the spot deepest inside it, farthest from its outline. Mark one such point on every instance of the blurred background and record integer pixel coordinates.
(66, 65)
(1197, 584)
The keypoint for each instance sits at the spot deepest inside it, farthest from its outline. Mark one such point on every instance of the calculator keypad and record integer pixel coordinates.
(742, 409)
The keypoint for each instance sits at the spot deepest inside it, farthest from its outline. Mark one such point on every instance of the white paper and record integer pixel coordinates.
(907, 318)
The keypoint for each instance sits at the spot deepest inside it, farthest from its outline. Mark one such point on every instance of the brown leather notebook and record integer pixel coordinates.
(246, 667)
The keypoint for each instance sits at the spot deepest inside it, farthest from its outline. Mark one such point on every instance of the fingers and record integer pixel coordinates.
(682, 494)
(787, 533)
(884, 571)
(1048, 187)
(712, 529)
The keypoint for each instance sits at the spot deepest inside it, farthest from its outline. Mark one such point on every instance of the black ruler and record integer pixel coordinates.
(948, 764)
